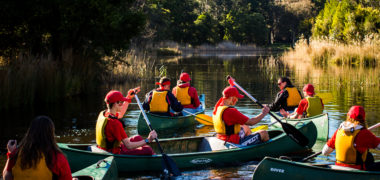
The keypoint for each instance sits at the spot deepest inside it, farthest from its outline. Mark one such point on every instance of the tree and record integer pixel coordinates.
(205, 30)
(51, 26)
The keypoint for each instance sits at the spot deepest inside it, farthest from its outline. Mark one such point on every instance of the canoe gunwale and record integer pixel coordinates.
(242, 148)
(277, 146)
(324, 130)
(268, 164)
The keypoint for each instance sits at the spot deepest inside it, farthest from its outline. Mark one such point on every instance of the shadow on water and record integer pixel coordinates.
(341, 87)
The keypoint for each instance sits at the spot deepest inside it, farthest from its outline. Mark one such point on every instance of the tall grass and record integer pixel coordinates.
(28, 79)
(322, 51)
(129, 65)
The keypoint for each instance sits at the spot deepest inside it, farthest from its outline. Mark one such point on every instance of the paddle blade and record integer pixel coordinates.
(170, 166)
(262, 127)
(204, 119)
(295, 134)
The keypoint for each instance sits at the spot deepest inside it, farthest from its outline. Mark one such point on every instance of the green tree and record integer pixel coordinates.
(205, 30)
(51, 26)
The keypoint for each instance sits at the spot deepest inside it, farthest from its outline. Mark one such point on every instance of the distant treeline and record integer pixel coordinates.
(258, 22)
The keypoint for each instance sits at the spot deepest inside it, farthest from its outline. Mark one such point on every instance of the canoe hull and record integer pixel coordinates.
(320, 121)
(274, 169)
(180, 150)
(106, 170)
(165, 125)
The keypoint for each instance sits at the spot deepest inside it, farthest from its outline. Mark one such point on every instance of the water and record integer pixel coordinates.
(340, 88)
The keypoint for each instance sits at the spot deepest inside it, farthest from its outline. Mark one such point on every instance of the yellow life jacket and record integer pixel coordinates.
(220, 126)
(40, 171)
(101, 139)
(183, 95)
(158, 103)
(345, 150)
(294, 97)
(315, 106)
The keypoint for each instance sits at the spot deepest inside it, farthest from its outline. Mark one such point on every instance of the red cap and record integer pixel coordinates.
(309, 89)
(185, 77)
(114, 96)
(231, 91)
(357, 113)
(163, 84)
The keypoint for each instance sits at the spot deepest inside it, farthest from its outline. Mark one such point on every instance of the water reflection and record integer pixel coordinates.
(341, 87)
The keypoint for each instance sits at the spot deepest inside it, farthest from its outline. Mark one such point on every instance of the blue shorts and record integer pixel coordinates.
(251, 139)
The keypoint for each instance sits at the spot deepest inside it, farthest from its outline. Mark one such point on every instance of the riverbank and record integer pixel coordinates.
(323, 51)
(28, 80)
(225, 48)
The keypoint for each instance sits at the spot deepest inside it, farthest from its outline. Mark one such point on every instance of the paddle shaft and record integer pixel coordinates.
(148, 122)
(254, 100)
(320, 152)
(290, 130)
(311, 156)
(189, 113)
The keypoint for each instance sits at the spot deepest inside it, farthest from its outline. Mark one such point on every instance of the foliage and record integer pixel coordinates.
(347, 21)
(52, 49)
(198, 22)
(51, 26)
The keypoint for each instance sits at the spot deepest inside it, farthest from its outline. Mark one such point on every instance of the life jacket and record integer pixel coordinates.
(158, 102)
(315, 106)
(40, 171)
(346, 153)
(220, 126)
(101, 139)
(294, 97)
(183, 95)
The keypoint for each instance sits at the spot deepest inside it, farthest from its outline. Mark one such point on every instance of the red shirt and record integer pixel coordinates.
(230, 117)
(114, 132)
(192, 93)
(304, 104)
(60, 167)
(364, 140)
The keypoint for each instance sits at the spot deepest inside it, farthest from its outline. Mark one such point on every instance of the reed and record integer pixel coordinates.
(321, 51)
(129, 65)
(27, 79)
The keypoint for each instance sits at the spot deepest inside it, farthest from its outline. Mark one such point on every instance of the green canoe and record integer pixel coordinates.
(193, 152)
(103, 169)
(165, 126)
(274, 169)
(320, 121)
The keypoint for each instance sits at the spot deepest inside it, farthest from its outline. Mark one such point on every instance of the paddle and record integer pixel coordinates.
(320, 152)
(262, 127)
(169, 165)
(290, 130)
(202, 118)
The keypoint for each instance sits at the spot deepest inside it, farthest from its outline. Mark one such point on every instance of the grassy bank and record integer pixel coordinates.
(322, 51)
(128, 65)
(29, 80)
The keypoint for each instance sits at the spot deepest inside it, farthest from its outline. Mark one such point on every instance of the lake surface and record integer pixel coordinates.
(340, 88)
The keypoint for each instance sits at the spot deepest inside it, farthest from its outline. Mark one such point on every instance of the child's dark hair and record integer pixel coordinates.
(287, 80)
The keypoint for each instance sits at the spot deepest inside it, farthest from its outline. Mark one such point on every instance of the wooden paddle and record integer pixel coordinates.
(290, 130)
(170, 167)
(202, 118)
(320, 152)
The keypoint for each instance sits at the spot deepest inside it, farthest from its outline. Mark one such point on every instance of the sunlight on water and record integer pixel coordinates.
(340, 88)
